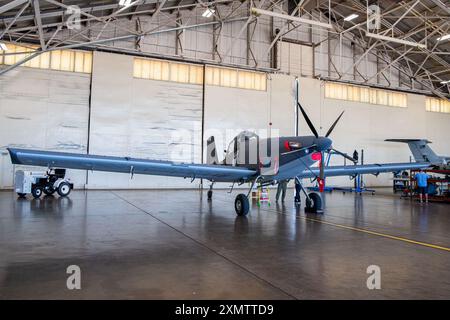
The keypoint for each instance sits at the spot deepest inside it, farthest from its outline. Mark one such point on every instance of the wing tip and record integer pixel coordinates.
(13, 155)
(408, 140)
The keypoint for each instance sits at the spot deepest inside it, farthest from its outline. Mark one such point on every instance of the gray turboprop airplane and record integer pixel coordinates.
(286, 158)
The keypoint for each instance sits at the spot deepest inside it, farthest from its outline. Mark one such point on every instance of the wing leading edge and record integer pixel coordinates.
(334, 171)
(52, 159)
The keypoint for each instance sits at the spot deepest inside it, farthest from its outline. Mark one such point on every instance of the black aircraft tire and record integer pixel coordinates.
(210, 193)
(21, 195)
(63, 189)
(315, 204)
(36, 192)
(48, 190)
(241, 205)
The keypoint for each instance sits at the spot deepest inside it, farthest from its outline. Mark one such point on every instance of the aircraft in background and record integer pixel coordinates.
(423, 153)
(286, 158)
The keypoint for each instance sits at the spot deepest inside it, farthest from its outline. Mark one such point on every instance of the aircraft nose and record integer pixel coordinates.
(323, 143)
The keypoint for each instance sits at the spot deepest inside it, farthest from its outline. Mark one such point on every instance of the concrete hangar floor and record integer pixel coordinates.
(177, 245)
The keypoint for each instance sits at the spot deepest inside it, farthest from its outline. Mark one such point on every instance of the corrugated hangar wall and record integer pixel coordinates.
(43, 109)
(139, 117)
(163, 120)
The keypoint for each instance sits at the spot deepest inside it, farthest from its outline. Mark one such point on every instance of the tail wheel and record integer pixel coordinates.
(241, 205)
(210, 193)
(64, 189)
(36, 192)
(314, 203)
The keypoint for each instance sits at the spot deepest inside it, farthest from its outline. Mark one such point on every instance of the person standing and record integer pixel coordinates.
(281, 190)
(298, 188)
(422, 184)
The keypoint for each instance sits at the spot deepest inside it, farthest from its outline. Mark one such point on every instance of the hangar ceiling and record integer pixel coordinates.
(426, 23)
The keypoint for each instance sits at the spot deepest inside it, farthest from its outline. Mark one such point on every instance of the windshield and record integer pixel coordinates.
(243, 149)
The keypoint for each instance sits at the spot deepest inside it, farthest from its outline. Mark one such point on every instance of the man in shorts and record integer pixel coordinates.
(422, 183)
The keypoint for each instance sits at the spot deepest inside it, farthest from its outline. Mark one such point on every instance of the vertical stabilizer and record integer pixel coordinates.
(420, 150)
(211, 152)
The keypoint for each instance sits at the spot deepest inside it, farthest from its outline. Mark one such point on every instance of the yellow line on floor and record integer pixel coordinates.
(379, 234)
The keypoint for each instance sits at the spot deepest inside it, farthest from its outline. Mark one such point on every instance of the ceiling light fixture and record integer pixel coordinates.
(257, 12)
(446, 37)
(3, 46)
(445, 82)
(351, 17)
(124, 3)
(208, 13)
(401, 41)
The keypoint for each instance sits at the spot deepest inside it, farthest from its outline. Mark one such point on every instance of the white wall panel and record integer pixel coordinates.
(43, 109)
(295, 59)
(142, 118)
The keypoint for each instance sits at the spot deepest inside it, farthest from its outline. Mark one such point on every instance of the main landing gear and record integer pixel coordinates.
(241, 205)
(313, 200)
(210, 191)
(313, 203)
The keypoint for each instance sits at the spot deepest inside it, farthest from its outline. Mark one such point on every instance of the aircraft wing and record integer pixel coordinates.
(350, 170)
(50, 159)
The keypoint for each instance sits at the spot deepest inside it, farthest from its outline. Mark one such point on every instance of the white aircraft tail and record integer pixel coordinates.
(420, 150)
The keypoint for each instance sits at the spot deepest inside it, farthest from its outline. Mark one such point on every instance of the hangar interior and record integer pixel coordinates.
(154, 79)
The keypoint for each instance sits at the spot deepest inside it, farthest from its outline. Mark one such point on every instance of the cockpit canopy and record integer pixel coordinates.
(243, 149)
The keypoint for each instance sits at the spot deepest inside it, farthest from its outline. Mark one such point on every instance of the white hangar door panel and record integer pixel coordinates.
(142, 118)
(295, 59)
(43, 109)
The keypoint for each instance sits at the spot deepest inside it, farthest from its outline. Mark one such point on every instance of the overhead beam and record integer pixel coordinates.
(38, 20)
(441, 5)
(405, 58)
(283, 28)
(12, 5)
(257, 11)
(92, 8)
(18, 14)
(92, 44)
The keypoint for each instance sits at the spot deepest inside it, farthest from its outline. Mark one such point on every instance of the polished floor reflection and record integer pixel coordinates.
(176, 245)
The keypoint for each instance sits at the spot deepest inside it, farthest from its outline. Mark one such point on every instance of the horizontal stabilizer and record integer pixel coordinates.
(420, 150)
(408, 140)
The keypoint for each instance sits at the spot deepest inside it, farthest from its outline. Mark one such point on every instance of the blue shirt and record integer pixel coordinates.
(422, 179)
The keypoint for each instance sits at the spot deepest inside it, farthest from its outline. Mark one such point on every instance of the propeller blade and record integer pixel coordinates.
(334, 124)
(308, 121)
(322, 169)
(344, 155)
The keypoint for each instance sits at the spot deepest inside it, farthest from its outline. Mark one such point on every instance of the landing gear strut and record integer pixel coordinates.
(210, 191)
(313, 200)
(241, 203)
